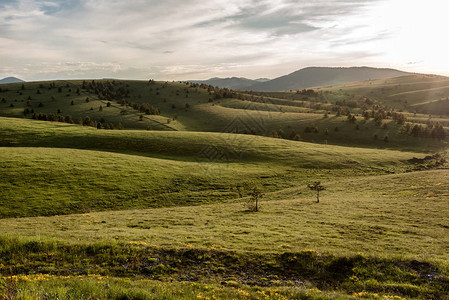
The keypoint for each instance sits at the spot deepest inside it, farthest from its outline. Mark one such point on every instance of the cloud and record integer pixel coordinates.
(181, 40)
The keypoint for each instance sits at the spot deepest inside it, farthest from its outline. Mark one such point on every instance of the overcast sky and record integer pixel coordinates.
(193, 39)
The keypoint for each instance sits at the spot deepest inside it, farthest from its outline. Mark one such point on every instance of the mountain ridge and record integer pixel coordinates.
(325, 76)
(10, 80)
(305, 78)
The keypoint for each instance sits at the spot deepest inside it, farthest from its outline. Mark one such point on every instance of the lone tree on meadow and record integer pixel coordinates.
(255, 196)
(316, 186)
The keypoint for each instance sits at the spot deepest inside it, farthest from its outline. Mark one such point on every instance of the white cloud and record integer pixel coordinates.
(192, 39)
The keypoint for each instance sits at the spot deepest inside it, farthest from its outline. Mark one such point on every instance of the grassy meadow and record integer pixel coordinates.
(161, 206)
(374, 215)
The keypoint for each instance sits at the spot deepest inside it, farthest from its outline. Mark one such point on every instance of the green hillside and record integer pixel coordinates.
(394, 222)
(146, 190)
(319, 117)
(159, 168)
(415, 93)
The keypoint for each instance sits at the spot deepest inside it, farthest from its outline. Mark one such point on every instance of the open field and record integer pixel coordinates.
(369, 236)
(162, 208)
(374, 215)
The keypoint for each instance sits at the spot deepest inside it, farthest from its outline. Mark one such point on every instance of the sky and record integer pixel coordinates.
(193, 39)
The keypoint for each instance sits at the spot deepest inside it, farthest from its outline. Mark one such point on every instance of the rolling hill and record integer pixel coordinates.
(88, 211)
(163, 167)
(321, 76)
(126, 104)
(426, 94)
(122, 189)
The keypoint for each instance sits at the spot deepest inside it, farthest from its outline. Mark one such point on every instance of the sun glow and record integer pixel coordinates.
(417, 36)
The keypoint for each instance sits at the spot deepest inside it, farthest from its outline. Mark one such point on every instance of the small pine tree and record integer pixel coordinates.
(316, 186)
(255, 196)
(281, 133)
(68, 119)
(87, 121)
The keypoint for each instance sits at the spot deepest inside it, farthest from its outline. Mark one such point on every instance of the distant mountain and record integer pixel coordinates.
(10, 80)
(323, 76)
(235, 83)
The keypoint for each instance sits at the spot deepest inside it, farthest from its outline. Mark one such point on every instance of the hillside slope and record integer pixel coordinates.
(61, 168)
(427, 94)
(116, 104)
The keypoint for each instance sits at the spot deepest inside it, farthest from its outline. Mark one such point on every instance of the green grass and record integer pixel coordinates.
(188, 145)
(101, 287)
(171, 204)
(91, 170)
(390, 215)
(400, 92)
(306, 269)
(285, 113)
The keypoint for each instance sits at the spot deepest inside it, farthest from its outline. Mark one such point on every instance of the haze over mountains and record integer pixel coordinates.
(305, 78)
(235, 83)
